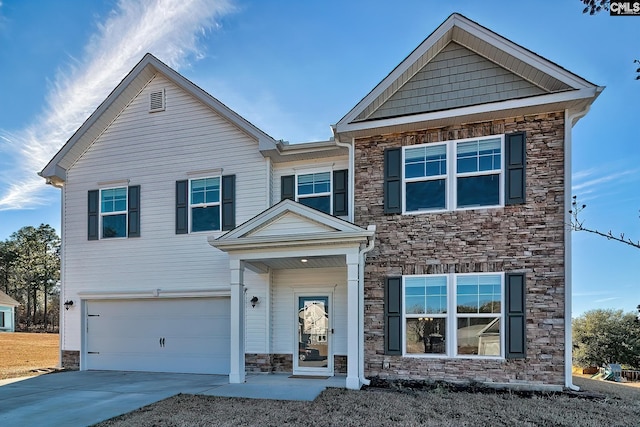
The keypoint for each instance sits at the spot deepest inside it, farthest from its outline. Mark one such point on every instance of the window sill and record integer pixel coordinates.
(444, 356)
(440, 211)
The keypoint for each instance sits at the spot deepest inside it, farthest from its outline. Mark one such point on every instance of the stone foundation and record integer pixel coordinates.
(71, 360)
(340, 364)
(268, 363)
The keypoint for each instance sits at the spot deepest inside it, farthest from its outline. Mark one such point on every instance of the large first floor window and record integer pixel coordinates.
(453, 315)
(113, 212)
(204, 201)
(452, 175)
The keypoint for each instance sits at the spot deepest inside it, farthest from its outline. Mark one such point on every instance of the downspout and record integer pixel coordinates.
(351, 148)
(569, 120)
(361, 260)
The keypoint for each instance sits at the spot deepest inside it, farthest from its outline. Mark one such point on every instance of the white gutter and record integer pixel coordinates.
(351, 147)
(569, 120)
(361, 260)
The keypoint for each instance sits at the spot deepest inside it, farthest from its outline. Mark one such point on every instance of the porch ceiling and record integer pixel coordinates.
(328, 261)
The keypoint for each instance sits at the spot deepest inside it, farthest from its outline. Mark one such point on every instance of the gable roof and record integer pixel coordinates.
(55, 171)
(6, 300)
(465, 72)
(289, 223)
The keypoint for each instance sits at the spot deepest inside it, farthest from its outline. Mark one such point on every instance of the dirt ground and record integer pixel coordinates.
(619, 405)
(25, 354)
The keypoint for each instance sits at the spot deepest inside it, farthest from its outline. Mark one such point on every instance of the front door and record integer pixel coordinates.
(313, 335)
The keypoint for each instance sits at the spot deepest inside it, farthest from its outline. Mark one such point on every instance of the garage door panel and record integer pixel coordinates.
(168, 335)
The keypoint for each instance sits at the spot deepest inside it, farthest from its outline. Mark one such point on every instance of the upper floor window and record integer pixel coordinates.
(453, 175)
(314, 190)
(204, 201)
(113, 212)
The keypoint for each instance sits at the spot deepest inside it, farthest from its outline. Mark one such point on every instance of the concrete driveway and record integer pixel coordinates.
(82, 398)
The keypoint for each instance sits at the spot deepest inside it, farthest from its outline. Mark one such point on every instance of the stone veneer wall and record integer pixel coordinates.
(527, 237)
(71, 360)
(268, 362)
(261, 363)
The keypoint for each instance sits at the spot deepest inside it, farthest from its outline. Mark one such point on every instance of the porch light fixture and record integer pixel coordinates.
(254, 301)
(67, 304)
(303, 260)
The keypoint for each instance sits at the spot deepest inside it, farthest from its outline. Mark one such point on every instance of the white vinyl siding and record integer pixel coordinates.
(304, 167)
(154, 151)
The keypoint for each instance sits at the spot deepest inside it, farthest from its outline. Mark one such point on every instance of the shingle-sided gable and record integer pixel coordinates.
(455, 77)
(464, 72)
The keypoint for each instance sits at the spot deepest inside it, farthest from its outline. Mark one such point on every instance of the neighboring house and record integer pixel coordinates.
(7, 313)
(426, 240)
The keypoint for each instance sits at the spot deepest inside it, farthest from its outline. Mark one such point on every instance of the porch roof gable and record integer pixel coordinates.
(289, 223)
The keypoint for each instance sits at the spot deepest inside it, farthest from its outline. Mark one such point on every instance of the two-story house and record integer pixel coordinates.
(426, 239)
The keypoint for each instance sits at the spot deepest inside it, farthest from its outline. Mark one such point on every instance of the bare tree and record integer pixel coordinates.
(595, 6)
(577, 224)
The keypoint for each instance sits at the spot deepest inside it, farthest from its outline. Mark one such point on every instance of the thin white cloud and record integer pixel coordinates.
(600, 180)
(170, 29)
(607, 299)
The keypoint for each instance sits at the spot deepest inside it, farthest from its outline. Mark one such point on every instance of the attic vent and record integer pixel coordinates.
(156, 101)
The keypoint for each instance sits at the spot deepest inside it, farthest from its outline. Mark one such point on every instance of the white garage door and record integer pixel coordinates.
(190, 335)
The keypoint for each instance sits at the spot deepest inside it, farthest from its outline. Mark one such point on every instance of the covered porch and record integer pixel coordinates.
(309, 298)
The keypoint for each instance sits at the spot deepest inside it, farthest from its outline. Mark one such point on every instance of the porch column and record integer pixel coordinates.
(236, 375)
(353, 381)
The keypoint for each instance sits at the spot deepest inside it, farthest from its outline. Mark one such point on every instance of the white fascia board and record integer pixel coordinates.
(265, 142)
(52, 169)
(431, 40)
(553, 98)
(298, 240)
(283, 207)
(523, 54)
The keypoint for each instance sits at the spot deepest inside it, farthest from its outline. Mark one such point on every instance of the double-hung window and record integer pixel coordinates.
(455, 315)
(204, 202)
(478, 172)
(453, 175)
(314, 190)
(113, 212)
(425, 172)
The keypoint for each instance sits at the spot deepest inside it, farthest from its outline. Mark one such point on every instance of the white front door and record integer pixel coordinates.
(313, 334)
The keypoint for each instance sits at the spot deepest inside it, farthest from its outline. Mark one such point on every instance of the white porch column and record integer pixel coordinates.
(353, 327)
(236, 375)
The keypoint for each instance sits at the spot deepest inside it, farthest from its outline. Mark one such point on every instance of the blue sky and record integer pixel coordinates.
(293, 68)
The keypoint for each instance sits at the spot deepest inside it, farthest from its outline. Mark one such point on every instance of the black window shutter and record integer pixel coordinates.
(182, 213)
(287, 187)
(515, 162)
(515, 325)
(228, 202)
(340, 193)
(393, 315)
(133, 218)
(93, 215)
(393, 180)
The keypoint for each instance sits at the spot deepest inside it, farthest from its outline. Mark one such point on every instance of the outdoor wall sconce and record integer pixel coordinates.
(67, 304)
(254, 301)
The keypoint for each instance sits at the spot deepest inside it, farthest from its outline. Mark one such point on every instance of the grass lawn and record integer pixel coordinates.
(378, 407)
(25, 353)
